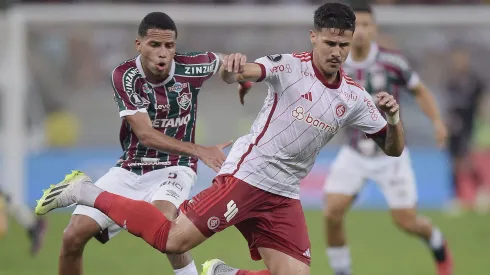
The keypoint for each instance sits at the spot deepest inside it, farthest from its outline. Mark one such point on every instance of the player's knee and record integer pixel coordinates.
(178, 246)
(334, 214)
(405, 221)
(76, 236)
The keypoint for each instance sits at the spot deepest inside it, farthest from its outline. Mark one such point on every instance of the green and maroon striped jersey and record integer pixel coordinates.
(171, 105)
(383, 70)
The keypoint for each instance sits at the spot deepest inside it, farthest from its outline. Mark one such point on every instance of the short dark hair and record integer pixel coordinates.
(156, 20)
(335, 16)
(362, 6)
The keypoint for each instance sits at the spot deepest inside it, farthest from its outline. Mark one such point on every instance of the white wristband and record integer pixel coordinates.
(394, 119)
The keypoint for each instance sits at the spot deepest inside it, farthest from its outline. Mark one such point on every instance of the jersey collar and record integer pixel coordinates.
(170, 75)
(373, 52)
(322, 78)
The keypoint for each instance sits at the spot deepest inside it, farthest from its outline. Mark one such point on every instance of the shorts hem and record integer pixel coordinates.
(285, 251)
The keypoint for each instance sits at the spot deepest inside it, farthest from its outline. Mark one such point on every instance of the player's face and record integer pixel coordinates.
(365, 30)
(157, 51)
(330, 48)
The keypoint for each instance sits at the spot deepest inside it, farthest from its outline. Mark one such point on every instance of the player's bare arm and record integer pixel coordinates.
(428, 104)
(393, 141)
(212, 156)
(236, 69)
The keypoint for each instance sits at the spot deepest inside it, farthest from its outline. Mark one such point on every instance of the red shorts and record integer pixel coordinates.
(265, 219)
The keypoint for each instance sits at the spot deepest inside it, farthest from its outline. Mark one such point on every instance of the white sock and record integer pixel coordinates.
(86, 193)
(22, 214)
(190, 269)
(339, 258)
(436, 240)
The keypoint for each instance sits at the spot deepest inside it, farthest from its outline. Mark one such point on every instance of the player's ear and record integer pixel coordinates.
(312, 37)
(137, 43)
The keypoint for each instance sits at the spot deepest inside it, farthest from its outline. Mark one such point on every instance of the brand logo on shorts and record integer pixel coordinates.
(307, 253)
(213, 223)
(231, 211)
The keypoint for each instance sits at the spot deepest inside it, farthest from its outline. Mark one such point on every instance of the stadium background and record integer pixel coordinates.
(72, 123)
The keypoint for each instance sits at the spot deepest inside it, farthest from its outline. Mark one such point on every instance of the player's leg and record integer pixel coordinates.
(174, 185)
(276, 232)
(88, 222)
(35, 226)
(345, 180)
(398, 186)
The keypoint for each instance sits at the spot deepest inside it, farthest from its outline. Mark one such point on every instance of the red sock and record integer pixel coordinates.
(261, 272)
(138, 217)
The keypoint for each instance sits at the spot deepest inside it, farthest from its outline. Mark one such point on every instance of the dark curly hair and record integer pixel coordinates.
(156, 20)
(335, 16)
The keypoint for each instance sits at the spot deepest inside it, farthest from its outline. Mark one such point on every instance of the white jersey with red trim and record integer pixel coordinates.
(301, 113)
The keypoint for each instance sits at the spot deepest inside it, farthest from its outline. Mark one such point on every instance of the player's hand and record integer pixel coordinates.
(387, 103)
(243, 89)
(213, 156)
(440, 132)
(234, 63)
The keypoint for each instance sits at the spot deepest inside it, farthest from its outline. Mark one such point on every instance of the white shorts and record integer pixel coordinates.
(172, 184)
(394, 175)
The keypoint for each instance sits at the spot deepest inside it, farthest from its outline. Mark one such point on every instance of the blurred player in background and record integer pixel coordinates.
(156, 94)
(257, 188)
(35, 227)
(379, 69)
(465, 92)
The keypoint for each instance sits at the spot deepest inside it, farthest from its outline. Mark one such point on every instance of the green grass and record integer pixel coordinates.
(377, 249)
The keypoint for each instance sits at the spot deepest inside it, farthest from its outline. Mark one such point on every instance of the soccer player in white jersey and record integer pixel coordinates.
(379, 69)
(257, 189)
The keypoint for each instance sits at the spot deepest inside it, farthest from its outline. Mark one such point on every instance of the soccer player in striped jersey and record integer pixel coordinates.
(257, 189)
(379, 69)
(156, 95)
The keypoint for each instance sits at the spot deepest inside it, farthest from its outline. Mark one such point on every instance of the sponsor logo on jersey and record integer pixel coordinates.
(275, 57)
(299, 114)
(162, 107)
(178, 87)
(308, 74)
(349, 96)
(150, 163)
(171, 122)
(184, 100)
(128, 80)
(281, 68)
(199, 69)
(373, 111)
(147, 89)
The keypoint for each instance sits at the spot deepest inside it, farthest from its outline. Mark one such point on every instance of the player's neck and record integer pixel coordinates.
(150, 77)
(361, 53)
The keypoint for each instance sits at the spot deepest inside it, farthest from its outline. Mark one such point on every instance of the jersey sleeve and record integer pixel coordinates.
(201, 65)
(366, 116)
(277, 70)
(408, 76)
(126, 96)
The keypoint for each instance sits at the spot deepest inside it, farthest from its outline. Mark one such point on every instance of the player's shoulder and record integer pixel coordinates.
(126, 71)
(392, 57)
(196, 64)
(195, 58)
(285, 58)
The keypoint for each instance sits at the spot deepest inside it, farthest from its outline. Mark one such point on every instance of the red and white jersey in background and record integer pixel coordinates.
(301, 113)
